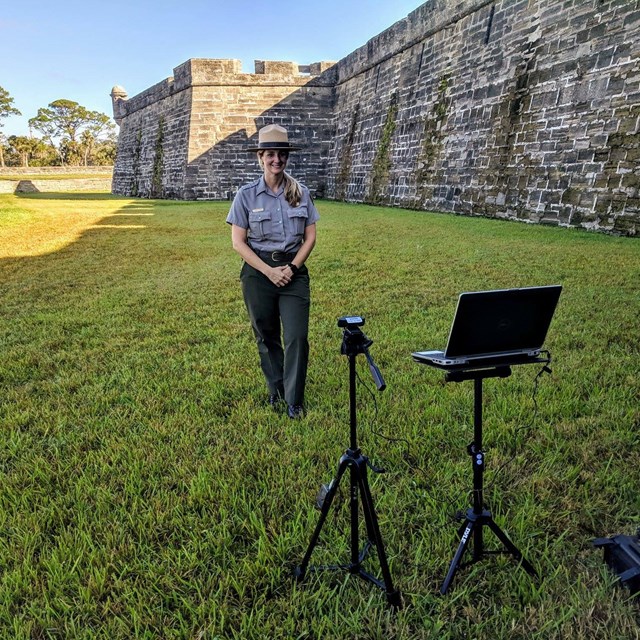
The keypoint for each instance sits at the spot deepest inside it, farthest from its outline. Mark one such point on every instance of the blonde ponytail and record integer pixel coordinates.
(292, 190)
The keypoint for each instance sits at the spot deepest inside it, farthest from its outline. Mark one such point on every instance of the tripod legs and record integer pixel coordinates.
(472, 529)
(359, 485)
(478, 517)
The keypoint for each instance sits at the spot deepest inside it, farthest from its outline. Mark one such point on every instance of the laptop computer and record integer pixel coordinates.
(504, 325)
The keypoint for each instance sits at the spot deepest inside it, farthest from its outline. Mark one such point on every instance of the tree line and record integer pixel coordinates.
(70, 135)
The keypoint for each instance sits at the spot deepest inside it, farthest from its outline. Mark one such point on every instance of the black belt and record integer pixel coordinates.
(275, 256)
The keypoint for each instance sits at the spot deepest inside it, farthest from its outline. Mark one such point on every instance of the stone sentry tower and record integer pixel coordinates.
(187, 136)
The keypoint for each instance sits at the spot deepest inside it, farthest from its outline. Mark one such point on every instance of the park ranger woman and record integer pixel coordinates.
(273, 228)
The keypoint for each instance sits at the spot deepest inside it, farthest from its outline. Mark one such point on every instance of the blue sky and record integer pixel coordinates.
(78, 50)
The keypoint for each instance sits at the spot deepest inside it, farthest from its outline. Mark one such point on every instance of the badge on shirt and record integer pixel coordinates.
(257, 210)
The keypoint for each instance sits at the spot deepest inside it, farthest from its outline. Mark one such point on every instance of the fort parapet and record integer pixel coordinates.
(187, 136)
(518, 109)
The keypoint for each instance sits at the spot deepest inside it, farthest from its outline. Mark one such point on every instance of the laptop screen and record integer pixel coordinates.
(505, 320)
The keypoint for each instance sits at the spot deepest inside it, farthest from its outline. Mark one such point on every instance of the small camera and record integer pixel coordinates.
(350, 321)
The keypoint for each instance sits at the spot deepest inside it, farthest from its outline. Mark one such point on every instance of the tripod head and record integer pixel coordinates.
(354, 341)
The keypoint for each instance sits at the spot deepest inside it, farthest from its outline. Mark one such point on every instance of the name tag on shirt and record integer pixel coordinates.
(257, 210)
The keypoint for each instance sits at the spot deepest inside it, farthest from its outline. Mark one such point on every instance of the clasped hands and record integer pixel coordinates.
(281, 276)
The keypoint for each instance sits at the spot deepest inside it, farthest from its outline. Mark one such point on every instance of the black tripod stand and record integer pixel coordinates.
(355, 342)
(478, 517)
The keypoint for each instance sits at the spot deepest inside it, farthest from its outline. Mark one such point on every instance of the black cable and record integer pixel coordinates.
(457, 514)
(544, 369)
(454, 513)
(375, 417)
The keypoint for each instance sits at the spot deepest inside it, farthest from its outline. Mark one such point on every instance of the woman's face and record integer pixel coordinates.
(274, 162)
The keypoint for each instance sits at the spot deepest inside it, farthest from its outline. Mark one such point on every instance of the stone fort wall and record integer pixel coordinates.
(519, 109)
(187, 137)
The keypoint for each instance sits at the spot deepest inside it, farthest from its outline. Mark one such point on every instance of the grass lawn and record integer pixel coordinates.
(148, 492)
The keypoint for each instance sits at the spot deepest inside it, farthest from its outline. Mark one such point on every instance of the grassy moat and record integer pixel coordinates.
(148, 491)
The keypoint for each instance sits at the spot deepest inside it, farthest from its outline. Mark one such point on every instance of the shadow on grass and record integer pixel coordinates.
(70, 195)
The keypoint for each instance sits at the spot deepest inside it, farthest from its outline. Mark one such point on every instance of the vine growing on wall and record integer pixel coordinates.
(432, 137)
(135, 168)
(158, 162)
(382, 161)
(345, 165)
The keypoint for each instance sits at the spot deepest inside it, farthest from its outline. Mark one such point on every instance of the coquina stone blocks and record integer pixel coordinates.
(192, 131)
(519, 109)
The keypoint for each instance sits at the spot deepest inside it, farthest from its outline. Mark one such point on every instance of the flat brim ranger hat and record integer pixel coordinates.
(273, 136)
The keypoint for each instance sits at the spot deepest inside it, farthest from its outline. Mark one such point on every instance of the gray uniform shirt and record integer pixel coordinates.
(272, 224)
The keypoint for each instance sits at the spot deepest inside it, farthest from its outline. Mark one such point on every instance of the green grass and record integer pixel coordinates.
(148, 492)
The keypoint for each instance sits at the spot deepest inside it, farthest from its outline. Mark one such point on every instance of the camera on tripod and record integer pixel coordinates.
(350, 321)
(354, 342)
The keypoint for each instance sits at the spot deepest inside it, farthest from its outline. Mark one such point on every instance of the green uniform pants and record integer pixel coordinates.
(268, 307)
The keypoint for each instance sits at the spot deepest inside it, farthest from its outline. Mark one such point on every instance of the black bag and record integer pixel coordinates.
(622, 554)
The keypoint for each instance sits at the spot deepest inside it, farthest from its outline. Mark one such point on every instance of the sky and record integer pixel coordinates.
(79, 49)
